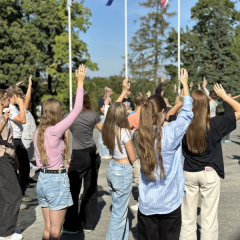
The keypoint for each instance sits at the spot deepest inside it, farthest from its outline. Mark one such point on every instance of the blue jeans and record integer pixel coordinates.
(53, 191)
(103, 150)
(119, 178)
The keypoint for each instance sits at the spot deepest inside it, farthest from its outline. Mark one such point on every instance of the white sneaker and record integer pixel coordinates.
(26, 198)
(33, 166)
(23, 206)
(134, 207)
(106, 157)
(15, 236)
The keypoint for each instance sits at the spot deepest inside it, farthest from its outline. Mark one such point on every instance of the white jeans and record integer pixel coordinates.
(207, 185)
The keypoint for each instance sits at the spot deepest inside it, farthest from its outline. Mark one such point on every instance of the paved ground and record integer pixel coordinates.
(32, 224)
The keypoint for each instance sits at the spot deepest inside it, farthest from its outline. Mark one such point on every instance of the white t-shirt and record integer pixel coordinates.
(125, 137)
(17, 127)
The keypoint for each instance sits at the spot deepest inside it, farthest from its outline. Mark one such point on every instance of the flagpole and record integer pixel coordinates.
(126, 44)
(70, 57)
(179, 44)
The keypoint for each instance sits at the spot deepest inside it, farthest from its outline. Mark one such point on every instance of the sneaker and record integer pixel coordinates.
(69, 232)
(134, 184)
(223, 140)
(228, 140)
(134, 207)
(87, 231)
(15, 236)
(26, 198)
(23, 206)
(32, 166)
(106, 157)
(30, 180)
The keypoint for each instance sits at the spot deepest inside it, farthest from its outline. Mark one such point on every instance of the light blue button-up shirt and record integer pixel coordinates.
(165, 196)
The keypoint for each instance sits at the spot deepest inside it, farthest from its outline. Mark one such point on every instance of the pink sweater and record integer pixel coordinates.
(53, 141)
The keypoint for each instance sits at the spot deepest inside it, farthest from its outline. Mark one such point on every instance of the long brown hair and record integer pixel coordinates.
(200, 126)
(87, 103)
(149, 135)
(116, 119)
(51, 115)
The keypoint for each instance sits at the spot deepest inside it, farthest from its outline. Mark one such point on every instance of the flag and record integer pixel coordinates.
(109, 3)
(69, 3)
(164, 3)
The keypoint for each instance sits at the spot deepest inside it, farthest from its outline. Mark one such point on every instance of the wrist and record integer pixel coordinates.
(185, 84)
(125, 90)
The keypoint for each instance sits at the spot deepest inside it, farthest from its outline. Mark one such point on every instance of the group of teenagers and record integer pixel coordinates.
(147, 147)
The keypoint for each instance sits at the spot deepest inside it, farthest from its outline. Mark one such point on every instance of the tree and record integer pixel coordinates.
(150, 39)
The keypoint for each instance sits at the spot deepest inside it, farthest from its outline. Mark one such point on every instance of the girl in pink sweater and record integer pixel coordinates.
(53, 184)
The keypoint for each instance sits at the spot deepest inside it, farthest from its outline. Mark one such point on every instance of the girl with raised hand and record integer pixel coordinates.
(117, 137)
(161, 182)
(203, 166)
(53, 184)
(10, 191)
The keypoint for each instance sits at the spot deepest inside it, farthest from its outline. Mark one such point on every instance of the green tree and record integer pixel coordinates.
(150, 39)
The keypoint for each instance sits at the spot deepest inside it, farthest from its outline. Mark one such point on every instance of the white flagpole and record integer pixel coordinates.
(70, 58)
(179, 44)
(126, 44)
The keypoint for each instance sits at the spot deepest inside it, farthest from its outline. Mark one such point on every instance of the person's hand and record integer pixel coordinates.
(148, 94)
(81, 73)
(219, 90)
(162, 79)
(16, 163)
(184, 76)
(67, 164)
(20, 83)
(30, 81)
(204, 85)
(175, 87)
(107, 101)
(191, 85)
(199, 87)
(126, 85)
(7, 115)
(19, 101)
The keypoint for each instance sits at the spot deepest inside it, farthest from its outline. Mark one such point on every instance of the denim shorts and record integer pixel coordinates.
(53, 191)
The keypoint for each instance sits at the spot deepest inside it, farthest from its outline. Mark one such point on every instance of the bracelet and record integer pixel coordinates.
(125, 91)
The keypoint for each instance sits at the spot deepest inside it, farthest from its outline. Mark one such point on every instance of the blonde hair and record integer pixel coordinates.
(116, 119)
(14, 90)
(51, 115)
(3, 94)
(106, 92)
(149, 135)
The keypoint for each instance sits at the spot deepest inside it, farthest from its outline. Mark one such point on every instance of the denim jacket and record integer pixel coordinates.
(164, 196)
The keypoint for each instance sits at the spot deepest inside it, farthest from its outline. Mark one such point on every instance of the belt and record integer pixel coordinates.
(64, 170)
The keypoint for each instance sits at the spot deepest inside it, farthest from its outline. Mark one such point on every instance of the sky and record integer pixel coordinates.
(106, 39)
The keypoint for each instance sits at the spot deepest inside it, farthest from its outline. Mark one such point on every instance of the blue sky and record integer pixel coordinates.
(105, 37)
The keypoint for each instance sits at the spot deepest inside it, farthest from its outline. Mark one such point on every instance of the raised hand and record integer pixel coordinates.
(162, 79)
(30, 80)
(219, 90)
(199, 87)
(81, 73)
(184, 76)
(126, 85)
(20, 83)
(204, 85)
(175, 87)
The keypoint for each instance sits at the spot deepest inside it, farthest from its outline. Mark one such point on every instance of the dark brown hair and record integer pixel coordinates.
(116, 119)
(200, 126)
(149, 135)
(213, 95)
(140, 99)
(87, 103)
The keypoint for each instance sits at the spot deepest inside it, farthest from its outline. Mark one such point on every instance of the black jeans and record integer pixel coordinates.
(24, 167)
(84, 165)
(160, 226)
(10, 196)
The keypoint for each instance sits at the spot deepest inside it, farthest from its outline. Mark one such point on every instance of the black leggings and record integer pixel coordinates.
(10, 196)
(160, 226)
(85, 165)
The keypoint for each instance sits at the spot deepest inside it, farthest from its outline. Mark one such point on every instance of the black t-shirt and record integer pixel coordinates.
(128, 100)
(213, 157)
(101, 104)
(227, 108)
